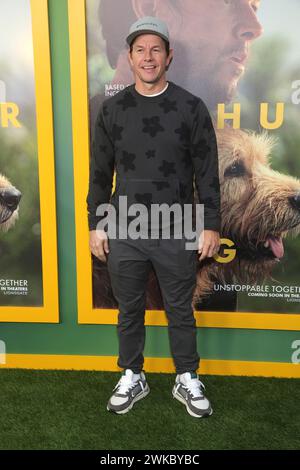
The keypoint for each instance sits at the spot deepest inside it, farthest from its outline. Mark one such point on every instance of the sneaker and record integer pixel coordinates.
(188, 389)
(130, 388)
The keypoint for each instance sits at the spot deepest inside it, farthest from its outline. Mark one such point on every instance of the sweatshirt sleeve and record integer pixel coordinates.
(204, 152)
(101, 171)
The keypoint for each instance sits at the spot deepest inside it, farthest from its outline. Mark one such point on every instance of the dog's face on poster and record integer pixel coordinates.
(9, 204)
(259, 208)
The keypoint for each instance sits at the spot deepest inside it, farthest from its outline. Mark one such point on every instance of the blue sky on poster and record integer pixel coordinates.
(284, 16)
(15, 32)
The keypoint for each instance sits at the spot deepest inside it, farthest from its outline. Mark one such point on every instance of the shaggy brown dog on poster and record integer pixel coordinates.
(259, 208)
(9, 204)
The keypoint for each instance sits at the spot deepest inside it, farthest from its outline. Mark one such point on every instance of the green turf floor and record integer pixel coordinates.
(67, 410)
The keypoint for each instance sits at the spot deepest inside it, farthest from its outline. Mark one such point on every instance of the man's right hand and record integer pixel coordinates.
(99, 244)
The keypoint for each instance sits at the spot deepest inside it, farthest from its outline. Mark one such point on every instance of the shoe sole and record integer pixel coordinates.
(190, 412)
(137, 398)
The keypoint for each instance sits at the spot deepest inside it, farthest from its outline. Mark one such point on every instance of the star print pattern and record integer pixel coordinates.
(193, 103)
(187, 159)
(128, 101)
(152, 126)
(117, 132)
(201, 149)
(168, 106)
(208, 202)
(127, 161)
(101, 179)
(151, 153)
(167, 168)
(183, 147)
(184, 132)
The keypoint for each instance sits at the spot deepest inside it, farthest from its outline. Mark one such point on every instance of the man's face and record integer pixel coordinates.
(211, 40)
(149, 59)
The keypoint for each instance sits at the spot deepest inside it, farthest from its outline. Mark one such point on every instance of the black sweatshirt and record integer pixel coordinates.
(156, 145)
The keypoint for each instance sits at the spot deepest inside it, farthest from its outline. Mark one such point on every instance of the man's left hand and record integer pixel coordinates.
(208, 244)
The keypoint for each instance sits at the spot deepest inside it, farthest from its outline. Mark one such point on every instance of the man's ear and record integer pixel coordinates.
(144, 7)
(129, 58)
(171, 58)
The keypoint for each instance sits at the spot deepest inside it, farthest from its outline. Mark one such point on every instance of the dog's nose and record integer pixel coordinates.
(10, 197)
(295, 201)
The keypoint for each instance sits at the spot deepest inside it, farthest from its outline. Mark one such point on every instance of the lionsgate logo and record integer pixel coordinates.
(153, 221)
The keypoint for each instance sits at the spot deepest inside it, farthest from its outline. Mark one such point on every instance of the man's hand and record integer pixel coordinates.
(208, 244)
(99, 244)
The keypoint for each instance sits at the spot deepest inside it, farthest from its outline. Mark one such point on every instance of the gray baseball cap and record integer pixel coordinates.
(148, 24)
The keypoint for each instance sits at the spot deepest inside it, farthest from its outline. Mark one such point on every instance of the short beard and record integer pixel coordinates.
(210, 91)
(202, 83)
(214, 93)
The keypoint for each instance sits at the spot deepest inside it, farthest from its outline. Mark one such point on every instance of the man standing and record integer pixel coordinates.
(212, 40)
(158, 137)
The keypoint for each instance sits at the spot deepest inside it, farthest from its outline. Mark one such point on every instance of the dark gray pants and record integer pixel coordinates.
(129, 263)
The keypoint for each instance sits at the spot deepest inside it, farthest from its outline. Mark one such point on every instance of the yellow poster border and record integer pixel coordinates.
(152, 365)
(86, 313)
(49, 312)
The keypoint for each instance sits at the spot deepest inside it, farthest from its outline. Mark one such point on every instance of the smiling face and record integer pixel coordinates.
(149, 60)
(212, 38)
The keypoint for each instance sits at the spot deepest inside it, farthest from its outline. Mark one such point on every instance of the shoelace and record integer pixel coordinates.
(194, 388)
(125, 384)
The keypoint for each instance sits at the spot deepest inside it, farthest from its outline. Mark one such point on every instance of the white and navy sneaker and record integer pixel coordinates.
(130, 388)
(188, 389)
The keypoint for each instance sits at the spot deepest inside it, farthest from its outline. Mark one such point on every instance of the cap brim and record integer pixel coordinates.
(135, 34)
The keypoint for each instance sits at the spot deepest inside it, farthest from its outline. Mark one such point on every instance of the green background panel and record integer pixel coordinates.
(70, 338)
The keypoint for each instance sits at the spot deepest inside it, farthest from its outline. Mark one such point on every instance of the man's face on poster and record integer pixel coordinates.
(211, 41)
